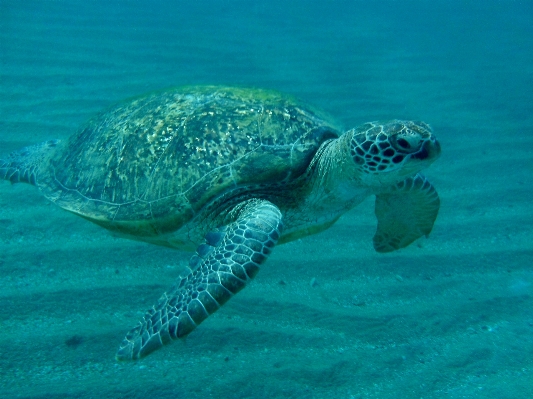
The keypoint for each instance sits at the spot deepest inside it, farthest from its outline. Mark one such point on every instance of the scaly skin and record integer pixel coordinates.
(230, 257)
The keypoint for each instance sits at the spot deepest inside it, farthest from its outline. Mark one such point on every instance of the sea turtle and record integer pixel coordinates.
(228, 173)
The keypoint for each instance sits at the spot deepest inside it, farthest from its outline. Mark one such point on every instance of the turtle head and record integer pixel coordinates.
(388, 152)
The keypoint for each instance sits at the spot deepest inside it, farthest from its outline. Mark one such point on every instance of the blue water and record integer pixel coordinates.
(327, 317)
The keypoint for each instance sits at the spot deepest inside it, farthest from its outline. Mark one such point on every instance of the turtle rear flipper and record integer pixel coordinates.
(220, 268)
(23, 166)
(406, 212)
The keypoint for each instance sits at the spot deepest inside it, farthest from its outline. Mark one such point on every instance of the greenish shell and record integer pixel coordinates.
(148, 166)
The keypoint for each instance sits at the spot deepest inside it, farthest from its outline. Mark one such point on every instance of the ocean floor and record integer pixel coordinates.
(327, 317)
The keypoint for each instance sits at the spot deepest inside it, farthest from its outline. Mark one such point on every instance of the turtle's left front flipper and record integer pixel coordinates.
(220, 268)
(405, 212)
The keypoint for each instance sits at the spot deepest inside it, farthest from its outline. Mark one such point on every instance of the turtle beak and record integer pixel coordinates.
(429, 151)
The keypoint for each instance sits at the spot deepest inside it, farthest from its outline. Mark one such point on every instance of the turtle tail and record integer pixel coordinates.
(22, 166)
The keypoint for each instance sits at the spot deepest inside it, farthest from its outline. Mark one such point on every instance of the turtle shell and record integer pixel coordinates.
(148, 165)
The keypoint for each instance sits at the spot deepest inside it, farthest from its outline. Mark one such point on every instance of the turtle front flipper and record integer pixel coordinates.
(405, 212)
(220, 268)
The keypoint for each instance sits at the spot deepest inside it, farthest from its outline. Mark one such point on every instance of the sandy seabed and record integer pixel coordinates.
(327, 317)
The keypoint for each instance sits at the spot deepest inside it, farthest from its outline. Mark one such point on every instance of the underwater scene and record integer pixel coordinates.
(336, 314)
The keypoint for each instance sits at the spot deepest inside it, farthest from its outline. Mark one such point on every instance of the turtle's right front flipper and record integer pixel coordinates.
(220, 268)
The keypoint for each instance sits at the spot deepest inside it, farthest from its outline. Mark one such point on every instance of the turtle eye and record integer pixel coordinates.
(404, 144)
